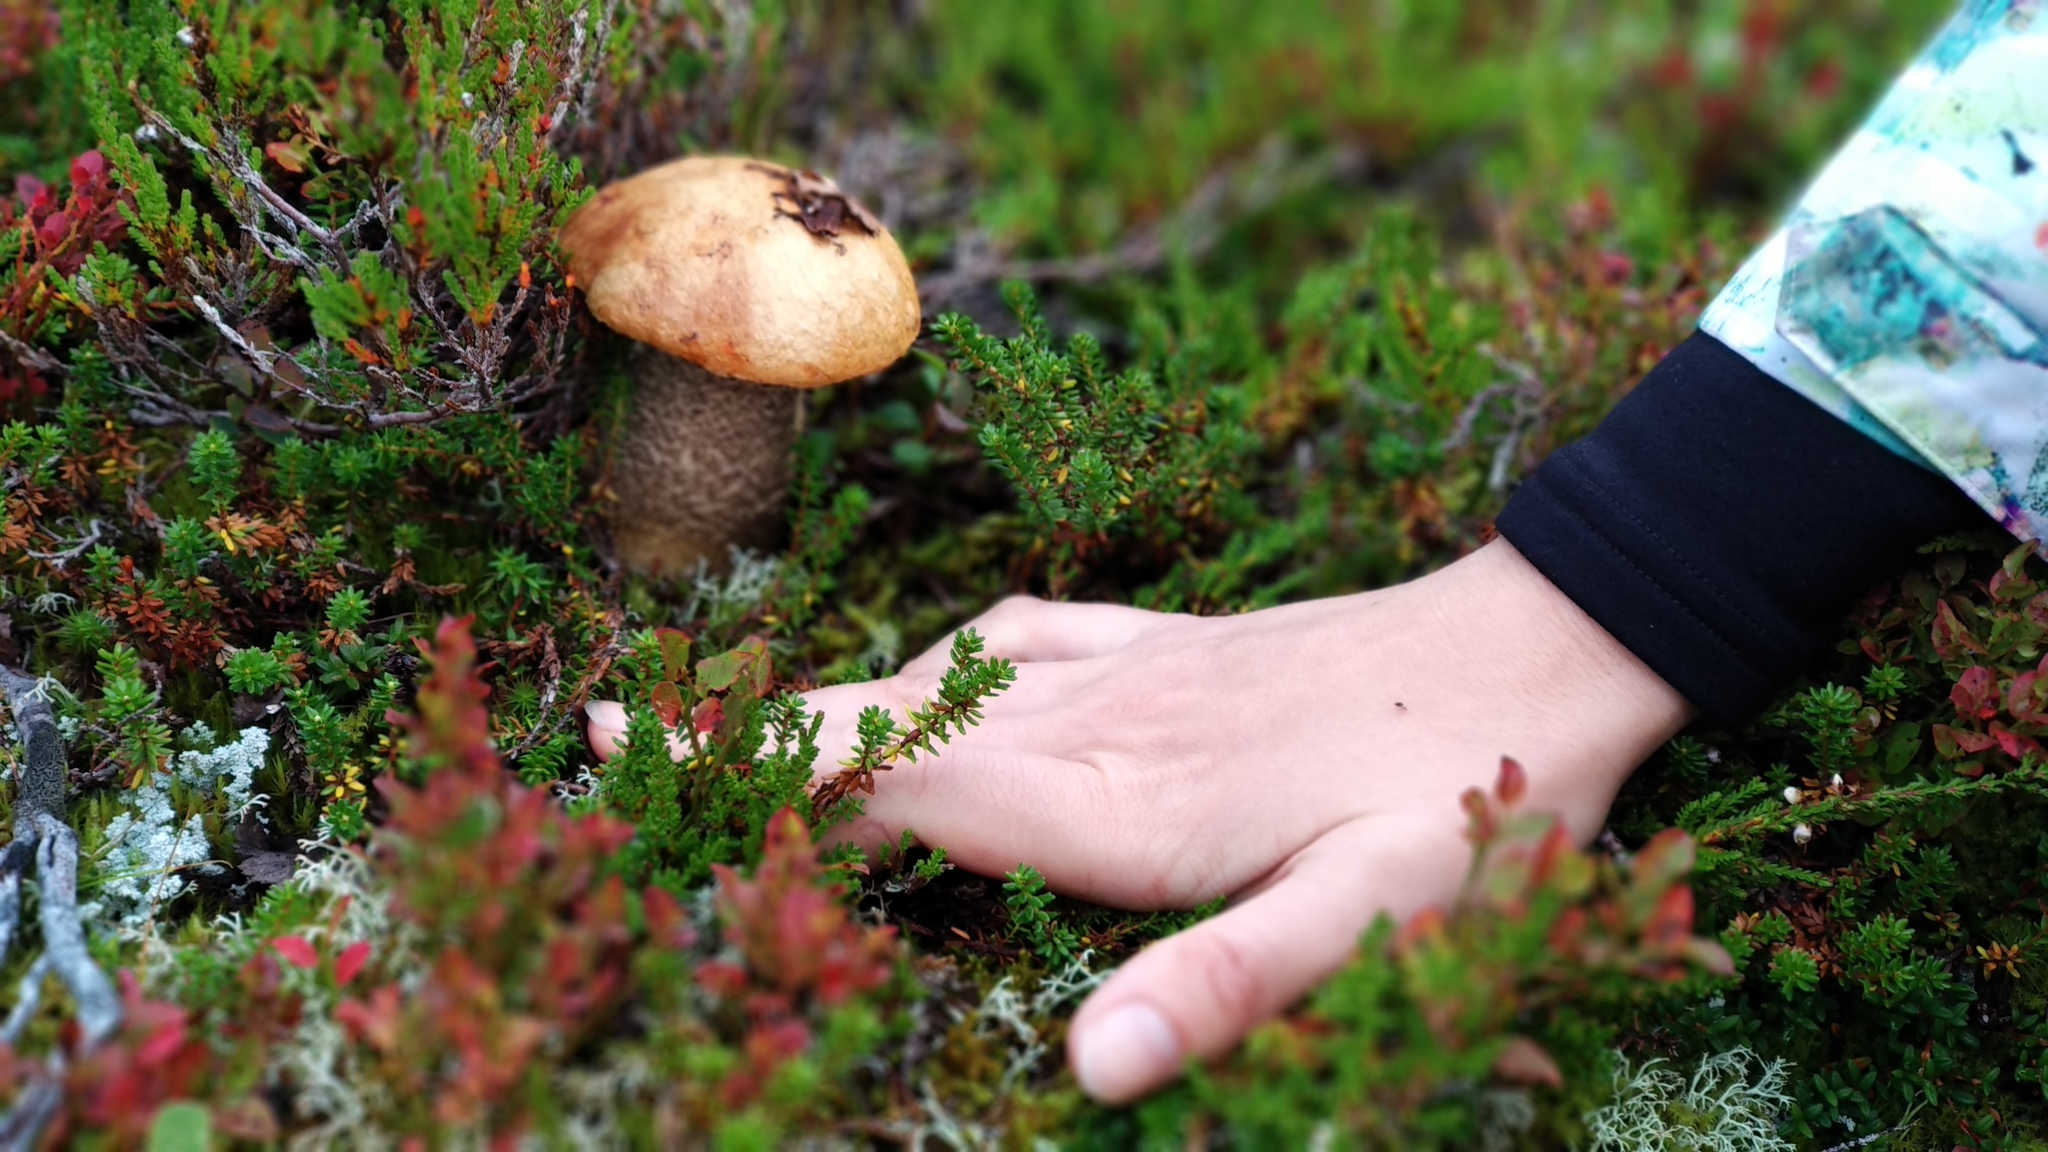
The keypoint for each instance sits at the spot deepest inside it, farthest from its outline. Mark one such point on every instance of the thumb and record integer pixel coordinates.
(1196, 994)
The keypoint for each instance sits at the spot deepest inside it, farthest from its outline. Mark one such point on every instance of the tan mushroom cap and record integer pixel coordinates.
(701, 259)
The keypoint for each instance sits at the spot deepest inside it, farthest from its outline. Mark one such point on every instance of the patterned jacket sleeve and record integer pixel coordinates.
(1907, 293)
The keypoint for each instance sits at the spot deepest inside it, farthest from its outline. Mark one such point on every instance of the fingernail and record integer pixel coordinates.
(1125, 1052)
(608, 714)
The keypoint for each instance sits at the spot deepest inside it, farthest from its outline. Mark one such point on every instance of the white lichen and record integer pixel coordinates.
(51, 603)
(320, 1063)
(1070, 983)
(1005, 1009)
(1504, 1115)
(231, 768)
(945, 1129)
(727, 597)
(147, 849)
(1732, 1102)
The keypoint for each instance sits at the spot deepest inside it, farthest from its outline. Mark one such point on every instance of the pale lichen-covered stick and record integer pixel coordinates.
(41, 834)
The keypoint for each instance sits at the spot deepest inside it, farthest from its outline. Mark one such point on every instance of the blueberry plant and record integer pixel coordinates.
(305, 578)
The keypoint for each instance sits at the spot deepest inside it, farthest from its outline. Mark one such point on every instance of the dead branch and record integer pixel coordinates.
(1224, 197)
(41, 834)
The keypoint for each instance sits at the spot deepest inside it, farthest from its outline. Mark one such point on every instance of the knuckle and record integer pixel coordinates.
(1235, 986)
(911, 689)
(1014, 610)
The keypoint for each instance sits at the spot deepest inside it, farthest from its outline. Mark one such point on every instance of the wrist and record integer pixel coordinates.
(1575, 706)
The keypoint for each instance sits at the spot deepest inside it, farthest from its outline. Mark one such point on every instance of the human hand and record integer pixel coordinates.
(1305, 761)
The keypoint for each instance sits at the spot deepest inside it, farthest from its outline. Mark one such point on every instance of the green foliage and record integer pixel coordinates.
(697, 808)
(1515, 986)
(255, 672)
(1205, 88)
(140, 741)
(1032, 921)
(216, 469)
(1094, 455)
(1874, 885)
(880, 740)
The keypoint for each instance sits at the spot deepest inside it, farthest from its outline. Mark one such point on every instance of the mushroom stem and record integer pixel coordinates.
(703, 466)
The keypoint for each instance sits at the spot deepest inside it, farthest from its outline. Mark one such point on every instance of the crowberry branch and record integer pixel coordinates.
(883, 742)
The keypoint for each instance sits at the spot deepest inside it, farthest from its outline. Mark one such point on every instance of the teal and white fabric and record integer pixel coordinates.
(1908, 291)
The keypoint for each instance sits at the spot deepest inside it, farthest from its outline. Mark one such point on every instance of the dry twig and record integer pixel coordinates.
(41, 834)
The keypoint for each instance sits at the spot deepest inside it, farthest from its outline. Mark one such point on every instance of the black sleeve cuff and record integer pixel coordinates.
(1719, 525)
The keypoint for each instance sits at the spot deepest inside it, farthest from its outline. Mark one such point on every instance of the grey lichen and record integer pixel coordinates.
(1731, 1103)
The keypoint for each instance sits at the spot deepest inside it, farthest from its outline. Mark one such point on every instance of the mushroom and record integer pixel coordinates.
(746, 284)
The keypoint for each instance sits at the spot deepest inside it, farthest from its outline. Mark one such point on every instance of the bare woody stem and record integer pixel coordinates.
(41, 836)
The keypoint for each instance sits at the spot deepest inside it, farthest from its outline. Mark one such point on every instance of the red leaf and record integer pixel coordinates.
(450, 727)
(292, 156)
(1670, 924)
(1569, 931)
(1665, 860)
(53, 229)
(1428, 926)
(349, 964)
(1951, 638)
(722, 979)
(1513, 783)
(779, 1041)
(296, 951)
(667, 924)
(1954, 742)
(2023, 699)
(374, 1021)
(1480, 824)
(89, 167)
(667, 701)
(708, 716)
(1561, 865)
(1975, 694)
(162, 1044)
(2013, 744)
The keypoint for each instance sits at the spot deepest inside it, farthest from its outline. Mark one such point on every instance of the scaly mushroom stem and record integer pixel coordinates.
(703, 466)
(753, 273)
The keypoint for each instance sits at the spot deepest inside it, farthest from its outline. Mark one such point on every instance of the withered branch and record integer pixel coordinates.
(1227, 195)
(41, 836)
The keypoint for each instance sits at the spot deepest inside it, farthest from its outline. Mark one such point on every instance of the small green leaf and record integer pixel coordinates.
(748, 662)
(675, 652)
(181, 1127)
